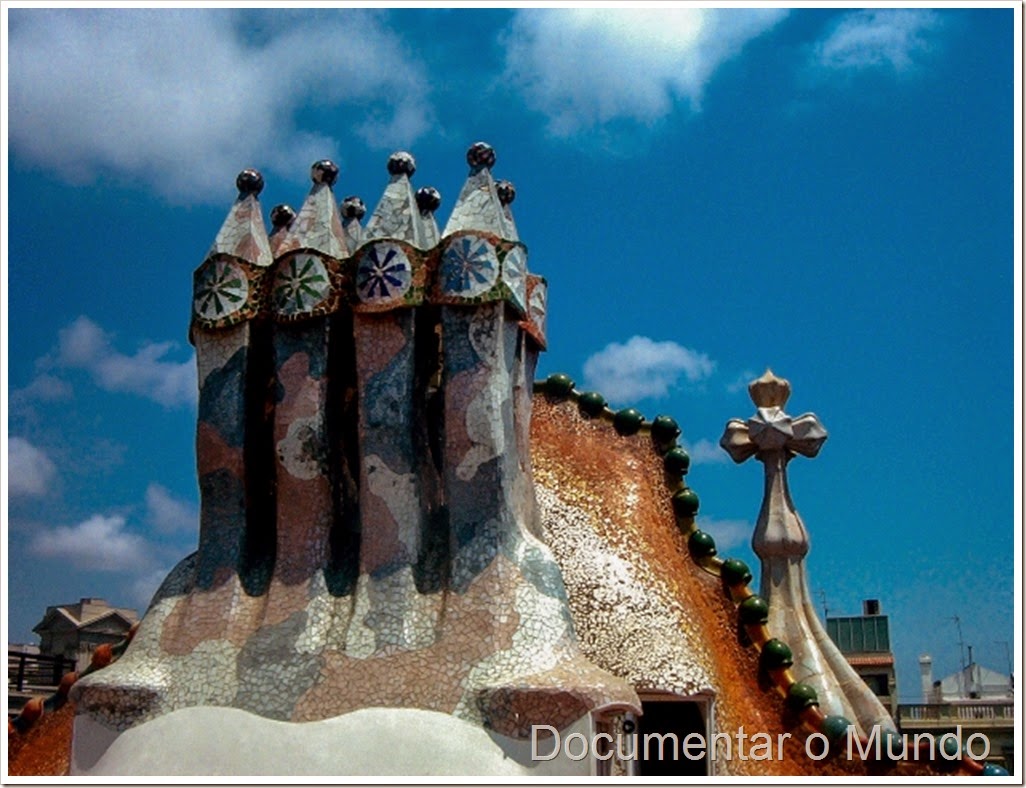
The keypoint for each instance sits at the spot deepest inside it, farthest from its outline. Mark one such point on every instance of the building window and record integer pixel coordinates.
(663, 718)
(878, 682)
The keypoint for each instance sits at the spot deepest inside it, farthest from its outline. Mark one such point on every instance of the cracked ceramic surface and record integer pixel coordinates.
(642, 608)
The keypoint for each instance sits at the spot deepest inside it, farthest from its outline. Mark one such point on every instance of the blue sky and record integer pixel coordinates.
(829, 192)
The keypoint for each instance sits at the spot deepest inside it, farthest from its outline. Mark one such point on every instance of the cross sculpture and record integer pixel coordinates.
(781, 542)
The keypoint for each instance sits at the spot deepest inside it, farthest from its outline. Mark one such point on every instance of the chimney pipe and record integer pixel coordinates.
(926, 676)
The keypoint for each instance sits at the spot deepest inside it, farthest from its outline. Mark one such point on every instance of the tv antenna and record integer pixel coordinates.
(961, 656)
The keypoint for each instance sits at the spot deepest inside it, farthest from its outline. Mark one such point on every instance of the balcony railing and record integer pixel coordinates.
(955, 713)
(26, 672)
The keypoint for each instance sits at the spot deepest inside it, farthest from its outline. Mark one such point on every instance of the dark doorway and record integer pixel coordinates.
(679, 718)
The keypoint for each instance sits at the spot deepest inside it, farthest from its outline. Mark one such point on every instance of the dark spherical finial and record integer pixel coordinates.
(402, 163)
(507, 192)
(353, 208)
(249, 181)
(282, 216)
(481, 154)
(324, 171)
(428, 199)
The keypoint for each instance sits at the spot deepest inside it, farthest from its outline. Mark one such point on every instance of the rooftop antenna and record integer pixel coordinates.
(961, 657)
(823, 599)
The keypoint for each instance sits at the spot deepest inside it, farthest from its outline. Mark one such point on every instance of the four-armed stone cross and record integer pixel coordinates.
(781, 542)
(774, 438)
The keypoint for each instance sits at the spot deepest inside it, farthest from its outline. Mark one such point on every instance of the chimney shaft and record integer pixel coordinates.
(926, 676)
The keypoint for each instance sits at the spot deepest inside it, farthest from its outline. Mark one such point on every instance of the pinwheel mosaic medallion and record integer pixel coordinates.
(383, 274)
(469, 267)
(221, 290)
(301, 284)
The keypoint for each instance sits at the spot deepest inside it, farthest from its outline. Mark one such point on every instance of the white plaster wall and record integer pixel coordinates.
(214, 741)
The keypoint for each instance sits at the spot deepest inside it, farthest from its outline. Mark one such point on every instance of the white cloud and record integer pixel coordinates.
(705, 452)
(727, 533)
(642, 368)
(84, 345)
(169, 514)
(43, 387)
(29, 470)
(181, 99)
(100, 543)
(586, 66)
(885, 37)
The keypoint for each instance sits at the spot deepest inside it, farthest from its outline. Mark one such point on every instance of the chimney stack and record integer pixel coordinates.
(926, 676)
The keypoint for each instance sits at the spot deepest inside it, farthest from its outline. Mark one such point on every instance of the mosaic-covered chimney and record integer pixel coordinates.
(368, 534)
